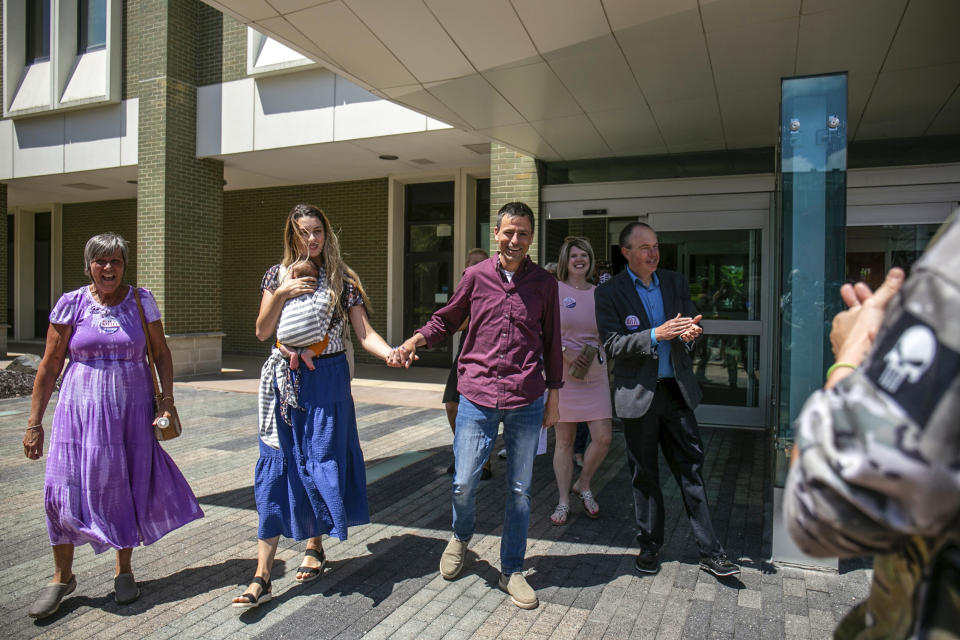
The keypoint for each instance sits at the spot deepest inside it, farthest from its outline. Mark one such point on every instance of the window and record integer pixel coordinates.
(60, 55)
(91, 25)
(38, 31)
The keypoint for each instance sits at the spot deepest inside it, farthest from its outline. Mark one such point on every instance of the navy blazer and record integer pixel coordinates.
(625, 332)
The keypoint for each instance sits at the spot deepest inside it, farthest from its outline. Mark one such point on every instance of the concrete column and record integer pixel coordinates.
(179, 197)
(513, 177)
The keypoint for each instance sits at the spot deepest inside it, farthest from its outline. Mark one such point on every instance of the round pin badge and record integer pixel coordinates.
(569, 302)
(109, 324)
(632, 322)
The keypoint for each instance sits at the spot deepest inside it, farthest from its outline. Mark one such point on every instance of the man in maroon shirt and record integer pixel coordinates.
(511, 354)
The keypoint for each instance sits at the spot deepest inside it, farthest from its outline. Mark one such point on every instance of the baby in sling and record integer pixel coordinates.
(305, 320)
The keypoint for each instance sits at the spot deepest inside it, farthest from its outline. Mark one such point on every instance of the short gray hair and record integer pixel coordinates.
(104, 244)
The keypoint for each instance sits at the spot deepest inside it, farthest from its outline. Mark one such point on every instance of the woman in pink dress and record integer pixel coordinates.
(585, 399)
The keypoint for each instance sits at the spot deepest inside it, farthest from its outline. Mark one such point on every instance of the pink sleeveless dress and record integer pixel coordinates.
(587, 399)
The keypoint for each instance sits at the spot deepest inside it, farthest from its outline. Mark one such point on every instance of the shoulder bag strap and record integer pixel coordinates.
(146, 335)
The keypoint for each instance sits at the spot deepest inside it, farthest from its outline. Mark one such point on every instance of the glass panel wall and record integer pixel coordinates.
(723, 272)
(11, 280)
(723, 268)
(483, 214)
(813, 186)
(728, 369)
(874, 250)
(428, 264)
(41, 274)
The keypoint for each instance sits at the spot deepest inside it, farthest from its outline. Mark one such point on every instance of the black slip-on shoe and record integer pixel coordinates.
(719, 566)
(648, 561)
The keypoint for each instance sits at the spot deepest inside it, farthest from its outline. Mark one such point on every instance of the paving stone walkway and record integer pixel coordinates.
(383, 583)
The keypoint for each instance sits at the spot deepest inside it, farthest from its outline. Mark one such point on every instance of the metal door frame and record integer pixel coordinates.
(732, 220)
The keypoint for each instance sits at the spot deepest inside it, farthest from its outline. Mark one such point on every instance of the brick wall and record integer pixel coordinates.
(179, 197)
(513, 177)
(253, 241)
(222, 54)
(82, 221)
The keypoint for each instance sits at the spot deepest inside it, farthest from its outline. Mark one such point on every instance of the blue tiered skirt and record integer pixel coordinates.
(315, 484)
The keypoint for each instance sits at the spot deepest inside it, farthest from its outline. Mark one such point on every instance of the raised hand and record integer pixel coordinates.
(854, 330)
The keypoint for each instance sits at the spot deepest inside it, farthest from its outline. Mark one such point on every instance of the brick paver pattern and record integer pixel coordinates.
(383, 582)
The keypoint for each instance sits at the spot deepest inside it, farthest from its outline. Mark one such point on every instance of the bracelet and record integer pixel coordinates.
(34, 427)
(839, 365)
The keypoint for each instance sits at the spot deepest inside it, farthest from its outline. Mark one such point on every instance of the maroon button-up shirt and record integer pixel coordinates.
(513, 337)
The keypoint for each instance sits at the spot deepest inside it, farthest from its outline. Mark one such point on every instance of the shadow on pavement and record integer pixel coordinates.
(181, 585)
(395, 565)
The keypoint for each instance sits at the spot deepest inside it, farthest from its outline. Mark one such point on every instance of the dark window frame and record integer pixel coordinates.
(37, 41)
(83, 27)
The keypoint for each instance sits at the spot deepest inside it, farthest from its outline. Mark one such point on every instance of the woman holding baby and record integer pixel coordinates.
(310, 479)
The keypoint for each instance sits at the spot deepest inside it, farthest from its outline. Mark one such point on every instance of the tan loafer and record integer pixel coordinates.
(451, 562)
(521, 593)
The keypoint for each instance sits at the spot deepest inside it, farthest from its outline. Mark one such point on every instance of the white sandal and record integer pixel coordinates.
(589, 501)
(559, 516)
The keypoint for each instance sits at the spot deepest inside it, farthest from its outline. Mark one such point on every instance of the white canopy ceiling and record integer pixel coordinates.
(569, 79)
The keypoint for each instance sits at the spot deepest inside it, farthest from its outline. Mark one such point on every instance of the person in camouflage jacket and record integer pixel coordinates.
(877, 459)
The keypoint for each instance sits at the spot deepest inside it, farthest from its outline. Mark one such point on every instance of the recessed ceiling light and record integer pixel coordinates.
(422, 161)
(388, 156)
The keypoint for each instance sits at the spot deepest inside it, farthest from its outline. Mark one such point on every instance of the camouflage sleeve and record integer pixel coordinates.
(880, 452)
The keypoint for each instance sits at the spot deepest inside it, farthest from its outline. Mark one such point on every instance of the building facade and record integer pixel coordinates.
(192, 135)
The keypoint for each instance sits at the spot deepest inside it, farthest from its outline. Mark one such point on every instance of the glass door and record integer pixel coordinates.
(724, 257)
(428, 260)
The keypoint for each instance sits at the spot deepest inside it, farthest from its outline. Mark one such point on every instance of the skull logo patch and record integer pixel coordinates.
(909, 358)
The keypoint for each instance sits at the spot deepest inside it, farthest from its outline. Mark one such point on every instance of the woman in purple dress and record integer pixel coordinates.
(108, 481)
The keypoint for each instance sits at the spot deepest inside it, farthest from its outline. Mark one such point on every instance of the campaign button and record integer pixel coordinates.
(632, 322)
(109, 324)
(569, 302)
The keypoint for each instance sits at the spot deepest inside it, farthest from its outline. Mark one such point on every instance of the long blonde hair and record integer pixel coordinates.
(563, 261)
(336, 269)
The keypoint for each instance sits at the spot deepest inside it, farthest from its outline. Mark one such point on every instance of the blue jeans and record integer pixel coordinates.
(476, 432)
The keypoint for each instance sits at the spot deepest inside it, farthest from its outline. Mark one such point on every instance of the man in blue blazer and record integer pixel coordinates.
(648, 324)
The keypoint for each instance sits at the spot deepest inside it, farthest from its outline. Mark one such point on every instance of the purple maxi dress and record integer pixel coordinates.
(108, 481)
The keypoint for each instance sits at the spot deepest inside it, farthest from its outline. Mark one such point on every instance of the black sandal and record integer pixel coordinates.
(313, 572)
(254, 601)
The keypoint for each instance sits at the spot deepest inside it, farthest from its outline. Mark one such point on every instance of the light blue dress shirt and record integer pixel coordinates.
(652, 300)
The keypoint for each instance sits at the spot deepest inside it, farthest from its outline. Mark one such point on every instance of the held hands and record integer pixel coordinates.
(679, 327)
(33, 442)
(854, 330)
(404, 355)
